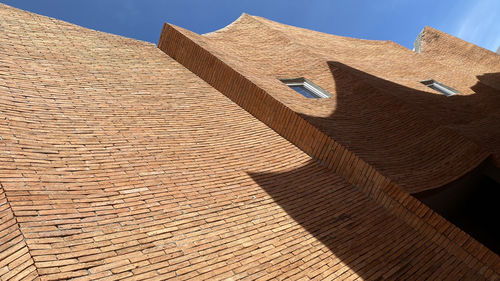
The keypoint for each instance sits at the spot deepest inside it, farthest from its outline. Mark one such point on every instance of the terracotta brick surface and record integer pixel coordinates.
(379, 109)
(119, 163)
(474, 62)
(16, 262)
(218, 70)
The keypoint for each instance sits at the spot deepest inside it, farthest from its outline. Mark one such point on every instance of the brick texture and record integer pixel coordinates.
(483, 66)
(413, 135)
(188, 49)
(119, 163)
(16, 262)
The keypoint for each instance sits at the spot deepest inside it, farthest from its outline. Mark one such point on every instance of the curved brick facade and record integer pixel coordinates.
(379, 109)
(119, 163)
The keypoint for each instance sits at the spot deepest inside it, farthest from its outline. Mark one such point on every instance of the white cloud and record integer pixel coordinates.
(480, 24)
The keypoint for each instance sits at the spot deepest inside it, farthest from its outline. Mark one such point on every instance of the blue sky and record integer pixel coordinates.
(400, 21)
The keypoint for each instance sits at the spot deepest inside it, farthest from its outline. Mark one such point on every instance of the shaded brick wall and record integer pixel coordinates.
(119, 163)
(291, 126)
(275, 50)
(368, 115)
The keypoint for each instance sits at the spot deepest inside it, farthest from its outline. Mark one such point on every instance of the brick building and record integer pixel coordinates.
(202, 158)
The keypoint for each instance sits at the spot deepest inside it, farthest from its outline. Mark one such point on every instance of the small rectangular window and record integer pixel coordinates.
(306, 88)
(441, 88)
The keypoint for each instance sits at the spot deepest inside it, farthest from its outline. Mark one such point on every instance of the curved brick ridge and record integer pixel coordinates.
(455, 52)
(366, 114)
(120, 164)
(472, 70)
(15, 260)
(476, 62)
(187, 48)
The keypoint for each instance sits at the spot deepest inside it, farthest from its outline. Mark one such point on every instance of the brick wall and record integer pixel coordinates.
(318, 145)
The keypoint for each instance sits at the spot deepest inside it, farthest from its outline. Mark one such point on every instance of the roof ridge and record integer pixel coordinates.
(430, 29)
(329, 152)
(263, 20)
(282, 35)
(13, 264)
(240, 18)
(185, 182)
(75, 25)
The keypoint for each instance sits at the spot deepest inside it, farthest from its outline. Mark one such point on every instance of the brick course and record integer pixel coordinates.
(119, 163)
(190, 50)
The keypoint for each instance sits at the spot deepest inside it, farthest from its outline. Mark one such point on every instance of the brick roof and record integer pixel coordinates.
(413, 135)
(119, 163)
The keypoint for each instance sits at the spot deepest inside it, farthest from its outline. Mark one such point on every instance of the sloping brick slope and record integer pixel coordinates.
(117, 163)
(379, 109)
(190, 50)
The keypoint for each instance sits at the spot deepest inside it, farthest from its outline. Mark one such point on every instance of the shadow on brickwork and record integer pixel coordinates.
(491, 80)
(443, 110)
(356, 230)
(405, 133)
(472, 209)
(359, 232)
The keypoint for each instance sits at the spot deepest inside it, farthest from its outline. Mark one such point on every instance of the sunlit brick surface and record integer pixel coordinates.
(379, 109)
(118, 163)
(246, 86)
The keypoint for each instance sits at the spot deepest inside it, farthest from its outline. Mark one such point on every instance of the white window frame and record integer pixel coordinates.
(310, 86)
(440, 87)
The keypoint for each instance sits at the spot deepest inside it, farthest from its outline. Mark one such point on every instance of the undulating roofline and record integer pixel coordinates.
(200, 55)
(191, 160)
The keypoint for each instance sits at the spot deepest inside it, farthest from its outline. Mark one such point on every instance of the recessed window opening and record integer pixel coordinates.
(306, 88)
(441, 88)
